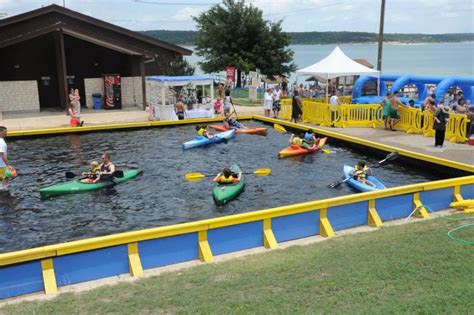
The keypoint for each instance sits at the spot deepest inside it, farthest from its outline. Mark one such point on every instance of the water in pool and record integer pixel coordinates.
(161, 196)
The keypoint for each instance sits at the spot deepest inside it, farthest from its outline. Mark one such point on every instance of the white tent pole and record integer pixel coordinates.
(327, 88)
(212, 91)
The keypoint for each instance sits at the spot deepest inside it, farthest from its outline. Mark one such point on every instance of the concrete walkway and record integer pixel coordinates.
(458, 152)
(44, 120)
(452, 151)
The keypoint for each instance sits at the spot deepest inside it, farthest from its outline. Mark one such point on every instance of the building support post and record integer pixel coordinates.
(142, 74)
(61, 68)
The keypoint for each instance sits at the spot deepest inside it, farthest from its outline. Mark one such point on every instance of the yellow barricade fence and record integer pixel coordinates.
(456, 129)
(410, 120)
(358, 115)
(285, 109)
(318, 113)
(428, 121)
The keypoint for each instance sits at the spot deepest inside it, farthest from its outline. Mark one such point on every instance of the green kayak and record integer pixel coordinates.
(224, 193)
(75, 186)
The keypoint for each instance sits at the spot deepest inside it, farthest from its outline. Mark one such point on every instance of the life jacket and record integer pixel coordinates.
(201, 132)
(297, 141)
(361, 175)
(229, 179)
(94, 172)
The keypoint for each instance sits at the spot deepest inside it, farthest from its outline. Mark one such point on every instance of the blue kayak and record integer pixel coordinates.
(360, 186)
(200, 141)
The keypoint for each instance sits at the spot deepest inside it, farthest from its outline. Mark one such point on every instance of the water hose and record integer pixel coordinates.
(452, 231)
(460, 240)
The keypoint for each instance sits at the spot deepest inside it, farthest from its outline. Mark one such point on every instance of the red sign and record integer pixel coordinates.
(230, 73)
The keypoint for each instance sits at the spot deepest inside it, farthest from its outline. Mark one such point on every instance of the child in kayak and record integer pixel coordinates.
(310, 138)
(360, 173)
(227, 177)
(93, 174)
(298, 140)
(231, 123)
(202, 131)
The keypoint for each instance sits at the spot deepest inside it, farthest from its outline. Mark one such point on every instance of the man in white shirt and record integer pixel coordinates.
(4, 165)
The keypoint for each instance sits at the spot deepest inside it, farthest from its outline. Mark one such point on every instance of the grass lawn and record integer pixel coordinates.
(412, 268)
(246, 102)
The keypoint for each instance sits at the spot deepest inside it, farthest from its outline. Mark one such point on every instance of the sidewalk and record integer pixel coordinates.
(458, 152)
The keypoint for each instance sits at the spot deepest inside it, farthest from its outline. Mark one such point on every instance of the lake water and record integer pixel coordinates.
(426, 59)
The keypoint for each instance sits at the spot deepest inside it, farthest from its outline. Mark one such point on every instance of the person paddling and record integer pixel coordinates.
(107, 168)
(227, 177)
(298, 140)
(360, 173)
(203, 132)
(310, 138)
(231, 123)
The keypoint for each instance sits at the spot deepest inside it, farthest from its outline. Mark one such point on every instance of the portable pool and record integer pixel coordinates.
(161, 196)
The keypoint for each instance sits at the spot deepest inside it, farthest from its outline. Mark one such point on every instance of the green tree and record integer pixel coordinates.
(179, 66)
(235, 34)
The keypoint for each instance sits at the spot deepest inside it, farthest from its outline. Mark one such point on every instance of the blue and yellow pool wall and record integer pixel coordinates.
(45, 269)
(49, 268)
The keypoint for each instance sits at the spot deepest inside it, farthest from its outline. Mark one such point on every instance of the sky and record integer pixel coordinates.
(401, 16)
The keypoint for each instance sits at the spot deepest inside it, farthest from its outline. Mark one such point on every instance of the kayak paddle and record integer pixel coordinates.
(198, 176)
(279, 128)
(390, 157)
(118, 174)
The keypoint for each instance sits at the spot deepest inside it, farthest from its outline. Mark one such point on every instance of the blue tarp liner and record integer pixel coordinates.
(163, 78)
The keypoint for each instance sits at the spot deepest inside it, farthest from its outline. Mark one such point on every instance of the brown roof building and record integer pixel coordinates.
(53, 49)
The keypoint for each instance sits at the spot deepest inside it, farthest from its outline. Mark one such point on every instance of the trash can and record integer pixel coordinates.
(97, 99)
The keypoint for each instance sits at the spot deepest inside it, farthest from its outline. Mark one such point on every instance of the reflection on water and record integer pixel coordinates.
(160, 196)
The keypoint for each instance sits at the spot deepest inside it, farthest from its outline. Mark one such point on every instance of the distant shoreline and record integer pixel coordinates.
(187, 38)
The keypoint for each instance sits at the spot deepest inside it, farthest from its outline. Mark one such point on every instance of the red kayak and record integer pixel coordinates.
(294, 150)
(250, 131)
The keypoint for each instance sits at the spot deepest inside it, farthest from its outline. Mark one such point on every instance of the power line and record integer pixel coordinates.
(173, 3)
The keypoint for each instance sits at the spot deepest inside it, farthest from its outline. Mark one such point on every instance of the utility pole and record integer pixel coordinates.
(379, 55)
(64, 3)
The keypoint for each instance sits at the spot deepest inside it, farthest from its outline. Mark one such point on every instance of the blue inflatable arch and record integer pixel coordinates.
(419, 81)
(464, 83)
(363, 80)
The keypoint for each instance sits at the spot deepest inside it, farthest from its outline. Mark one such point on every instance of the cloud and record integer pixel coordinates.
(187, 13)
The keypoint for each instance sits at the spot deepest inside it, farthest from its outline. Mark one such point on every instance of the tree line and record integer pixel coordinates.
(315, 38)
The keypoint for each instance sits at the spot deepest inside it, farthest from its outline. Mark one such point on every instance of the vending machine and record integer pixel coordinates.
(112, 91)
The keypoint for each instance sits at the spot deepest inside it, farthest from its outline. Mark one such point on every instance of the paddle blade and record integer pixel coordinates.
(279, 128)
(118, 174)
(70, 175)
(262, 172)
(392, 156)
(192, 177)
(336, 184)
(326, 151)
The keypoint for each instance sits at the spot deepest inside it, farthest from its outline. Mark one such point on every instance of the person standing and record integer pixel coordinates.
(227, 101)
(334, 101)
(268, 102)
(77, 100)
(4, 164)
(441, 117)
(386, 109)
(296, 110)
(394, 114)
(276, 101)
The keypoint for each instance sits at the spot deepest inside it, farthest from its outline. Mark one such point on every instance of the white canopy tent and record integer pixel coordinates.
(337, 64)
